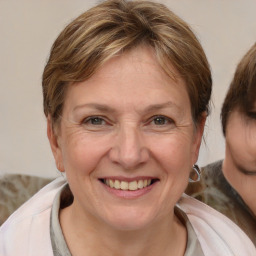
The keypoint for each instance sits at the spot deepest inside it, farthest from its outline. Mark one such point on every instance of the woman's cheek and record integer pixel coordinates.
(85, 152)
(172, 148)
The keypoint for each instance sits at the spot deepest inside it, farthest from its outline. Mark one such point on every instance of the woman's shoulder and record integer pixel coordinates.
(216, 233)
(30, 222)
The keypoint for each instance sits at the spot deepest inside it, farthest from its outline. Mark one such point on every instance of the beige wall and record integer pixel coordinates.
(226, 28)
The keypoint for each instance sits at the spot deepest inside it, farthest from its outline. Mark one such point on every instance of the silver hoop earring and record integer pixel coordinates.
(196, 172)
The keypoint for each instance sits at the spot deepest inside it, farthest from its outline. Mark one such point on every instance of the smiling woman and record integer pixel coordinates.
(126, 93)
(129, 145)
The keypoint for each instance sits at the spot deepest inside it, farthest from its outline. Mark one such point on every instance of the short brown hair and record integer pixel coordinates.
(241, 94)
(113, 27)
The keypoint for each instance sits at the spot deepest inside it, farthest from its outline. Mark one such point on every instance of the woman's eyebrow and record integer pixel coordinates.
(168, 104)
(148, 109)
(97, 106)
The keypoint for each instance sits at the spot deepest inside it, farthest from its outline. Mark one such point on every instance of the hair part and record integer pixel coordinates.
(241, 94)
(115, 26)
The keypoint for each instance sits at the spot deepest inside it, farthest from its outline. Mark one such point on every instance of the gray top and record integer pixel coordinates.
(60, 247)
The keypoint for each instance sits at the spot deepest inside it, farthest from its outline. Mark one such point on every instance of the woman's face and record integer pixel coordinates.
(240, 160)
(127, 142)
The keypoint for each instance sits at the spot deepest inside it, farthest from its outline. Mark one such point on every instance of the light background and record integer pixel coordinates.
(226, 29)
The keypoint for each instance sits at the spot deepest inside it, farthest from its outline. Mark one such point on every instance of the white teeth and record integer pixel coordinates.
(111, 183)
(133, 185)
(140, 184)
(117, 184)
(124, 185)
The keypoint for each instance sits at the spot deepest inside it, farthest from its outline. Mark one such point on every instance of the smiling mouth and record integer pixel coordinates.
(125, 185)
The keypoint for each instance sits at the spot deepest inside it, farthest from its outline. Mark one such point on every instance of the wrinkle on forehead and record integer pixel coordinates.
(137, 57)
(149, 108)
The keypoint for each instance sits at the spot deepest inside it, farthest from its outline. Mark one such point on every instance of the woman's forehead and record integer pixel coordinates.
(134, 77)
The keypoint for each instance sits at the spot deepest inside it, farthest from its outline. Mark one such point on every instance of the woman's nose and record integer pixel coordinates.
(129, 149)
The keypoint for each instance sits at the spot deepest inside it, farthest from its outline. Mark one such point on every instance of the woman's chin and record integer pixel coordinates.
(129, 220)
(128, 224)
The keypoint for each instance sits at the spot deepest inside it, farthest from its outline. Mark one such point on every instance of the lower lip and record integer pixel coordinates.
(129, 194)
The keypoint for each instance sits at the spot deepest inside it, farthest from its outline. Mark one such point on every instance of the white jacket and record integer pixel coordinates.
(27, 231)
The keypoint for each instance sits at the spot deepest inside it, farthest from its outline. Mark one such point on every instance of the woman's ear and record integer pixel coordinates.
(54, 143)
(198, 135)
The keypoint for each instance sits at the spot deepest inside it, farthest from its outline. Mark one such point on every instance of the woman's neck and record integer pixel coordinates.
(83, 237)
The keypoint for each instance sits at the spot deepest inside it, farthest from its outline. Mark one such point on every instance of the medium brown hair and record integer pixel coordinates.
(241, 94)
(113, 27)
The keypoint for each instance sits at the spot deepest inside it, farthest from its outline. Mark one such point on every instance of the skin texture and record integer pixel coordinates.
(239, 165)
(128, 121)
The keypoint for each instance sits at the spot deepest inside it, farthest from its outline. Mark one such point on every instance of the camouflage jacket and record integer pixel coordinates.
(214, 190)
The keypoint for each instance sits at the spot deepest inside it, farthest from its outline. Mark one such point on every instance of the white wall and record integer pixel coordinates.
(226, 28)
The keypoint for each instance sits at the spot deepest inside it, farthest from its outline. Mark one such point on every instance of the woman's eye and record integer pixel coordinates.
(94, 121)
(161, 120)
